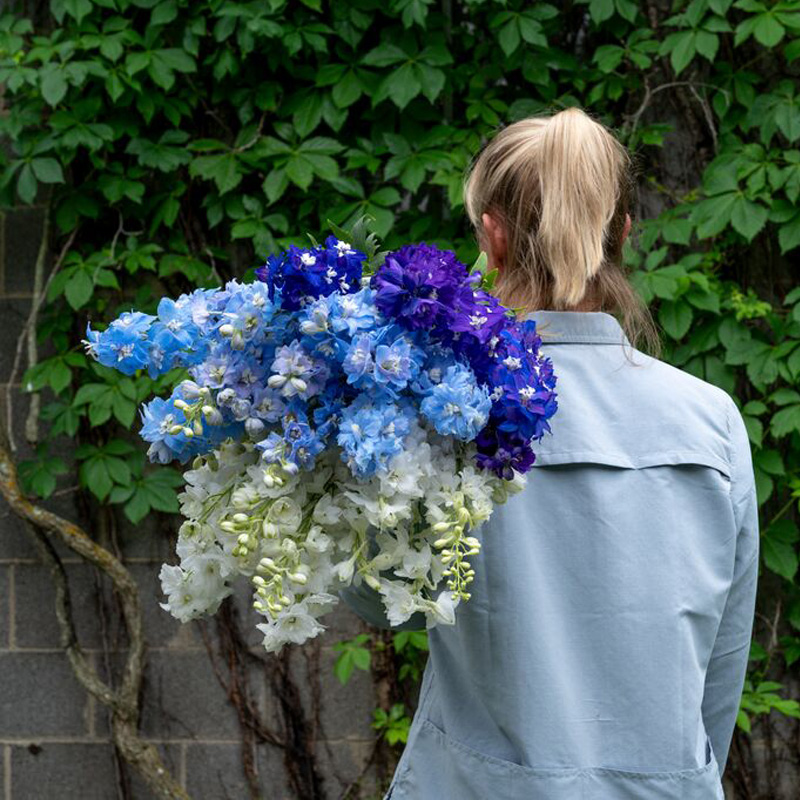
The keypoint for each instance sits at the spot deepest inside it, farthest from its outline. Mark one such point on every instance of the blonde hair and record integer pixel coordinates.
(561, 186)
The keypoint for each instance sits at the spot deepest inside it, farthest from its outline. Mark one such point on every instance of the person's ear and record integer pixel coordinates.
(496, 242)
(627, 228)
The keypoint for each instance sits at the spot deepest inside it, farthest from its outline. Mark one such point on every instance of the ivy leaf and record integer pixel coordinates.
(601, 10)
(77, 8)
(675, 317)
(778, 548)
(401, 85)
(347, 90)
(789, 234)
(39, 475)
(79, 289)
(47, 170)
(54, 86)
(786, 421)
(26, 184)
(767, 30)
(748, 218)
(222, 169)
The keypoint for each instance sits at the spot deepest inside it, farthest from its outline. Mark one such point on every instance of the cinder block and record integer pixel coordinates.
(40, 696)
(343, 765)
(342, 623)
(216, 770)
(4, 608)
(15, 543)
(184, 700)
(345, 711)
(152, 539)
(14, 313)
(44, 769)
(36, 623)
(23, 235)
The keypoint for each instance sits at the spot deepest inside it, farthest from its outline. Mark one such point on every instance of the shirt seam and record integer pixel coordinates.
(578, 339)
(651, 461)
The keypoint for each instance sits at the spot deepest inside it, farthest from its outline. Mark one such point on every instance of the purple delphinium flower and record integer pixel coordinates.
(417, 285)
(503, 452)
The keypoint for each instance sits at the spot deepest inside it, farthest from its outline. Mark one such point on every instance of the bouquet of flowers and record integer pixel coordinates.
(352, 415)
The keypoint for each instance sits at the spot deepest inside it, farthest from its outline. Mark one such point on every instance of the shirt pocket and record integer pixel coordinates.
(439, 767)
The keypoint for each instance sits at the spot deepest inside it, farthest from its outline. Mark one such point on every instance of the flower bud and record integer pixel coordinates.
(253, 426)
(181, 404)
(227, 329)
(197, 427)
(439, 543)
(372, 582)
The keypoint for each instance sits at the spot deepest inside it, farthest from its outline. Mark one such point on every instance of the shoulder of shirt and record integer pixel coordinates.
(699, 391)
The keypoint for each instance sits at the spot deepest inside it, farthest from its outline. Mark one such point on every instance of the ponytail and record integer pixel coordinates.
(579, 176)
(561, 185)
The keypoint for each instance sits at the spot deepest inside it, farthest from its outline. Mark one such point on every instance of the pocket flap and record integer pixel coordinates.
(638, 461)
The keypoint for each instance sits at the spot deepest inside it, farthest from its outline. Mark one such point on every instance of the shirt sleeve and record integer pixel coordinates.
(727, 668)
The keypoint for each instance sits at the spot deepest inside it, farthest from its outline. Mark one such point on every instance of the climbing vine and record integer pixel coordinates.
(175, 144)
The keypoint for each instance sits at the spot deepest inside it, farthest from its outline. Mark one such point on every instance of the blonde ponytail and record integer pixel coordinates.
(561, 186)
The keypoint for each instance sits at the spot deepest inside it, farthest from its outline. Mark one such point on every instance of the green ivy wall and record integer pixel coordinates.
(171, 144)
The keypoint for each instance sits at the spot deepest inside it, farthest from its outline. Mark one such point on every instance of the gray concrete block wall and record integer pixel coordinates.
(54, 738)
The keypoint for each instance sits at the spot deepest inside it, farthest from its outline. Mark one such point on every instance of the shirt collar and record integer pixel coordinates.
(597, 327)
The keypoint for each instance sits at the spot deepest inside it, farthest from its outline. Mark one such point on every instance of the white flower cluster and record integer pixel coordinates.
(299, 538)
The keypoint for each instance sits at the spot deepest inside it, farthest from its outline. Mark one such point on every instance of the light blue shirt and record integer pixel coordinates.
(603, 652)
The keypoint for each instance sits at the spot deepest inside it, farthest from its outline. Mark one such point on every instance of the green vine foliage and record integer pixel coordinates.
(182, 142)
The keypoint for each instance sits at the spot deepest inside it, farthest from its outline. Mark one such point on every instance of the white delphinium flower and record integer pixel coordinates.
(400, 603)
(317, 541)
(442, 610)
(295, 625)
(283, 518)
(192, 592)
(393, 547)
(408, 473)
(326, 511)
(416, 563)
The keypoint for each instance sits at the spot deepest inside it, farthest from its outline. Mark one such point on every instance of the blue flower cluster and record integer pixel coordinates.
(322, 351)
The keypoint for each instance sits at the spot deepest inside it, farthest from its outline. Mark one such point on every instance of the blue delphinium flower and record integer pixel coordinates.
(123, 345)
(296, 373)
(358, 361)
(353, 313)
(457, 405)
(371, 431)
(312, 350)
(302, 275)
(395, 364)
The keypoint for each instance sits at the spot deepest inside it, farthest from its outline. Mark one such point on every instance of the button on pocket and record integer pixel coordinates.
(438, 767)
